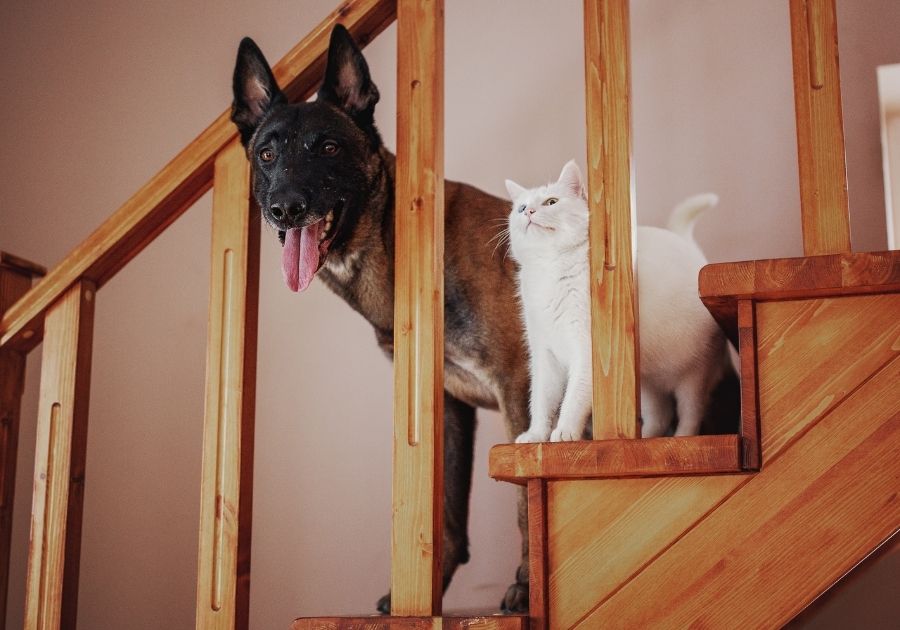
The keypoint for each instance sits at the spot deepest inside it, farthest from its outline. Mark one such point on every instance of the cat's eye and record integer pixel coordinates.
(267, 155)
(550, 201)
(521, 209)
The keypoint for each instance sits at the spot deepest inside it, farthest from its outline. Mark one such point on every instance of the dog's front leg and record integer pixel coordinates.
(514, 407)
(459, 444)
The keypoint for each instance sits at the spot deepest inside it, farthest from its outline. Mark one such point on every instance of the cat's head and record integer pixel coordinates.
(549, 219)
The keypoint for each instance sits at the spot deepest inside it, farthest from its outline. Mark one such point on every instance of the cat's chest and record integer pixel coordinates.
(556, 302)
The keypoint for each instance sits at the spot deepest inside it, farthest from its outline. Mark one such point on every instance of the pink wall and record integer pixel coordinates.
(98, 95)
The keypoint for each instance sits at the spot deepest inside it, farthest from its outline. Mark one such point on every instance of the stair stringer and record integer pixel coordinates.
(728, 551)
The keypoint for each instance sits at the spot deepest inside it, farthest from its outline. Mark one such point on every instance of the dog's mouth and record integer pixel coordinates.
(305, 250)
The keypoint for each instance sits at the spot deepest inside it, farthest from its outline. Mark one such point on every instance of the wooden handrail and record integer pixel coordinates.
(182, 181)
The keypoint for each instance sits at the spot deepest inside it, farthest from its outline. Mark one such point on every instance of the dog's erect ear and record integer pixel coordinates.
(255, 90)
(347, 83)
(513, 189)
(570, 178)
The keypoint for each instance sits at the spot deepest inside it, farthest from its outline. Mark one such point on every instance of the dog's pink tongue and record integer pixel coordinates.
(300, 256)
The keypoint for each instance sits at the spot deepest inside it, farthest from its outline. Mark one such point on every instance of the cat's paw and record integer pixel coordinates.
(533, 435)
(564, 434)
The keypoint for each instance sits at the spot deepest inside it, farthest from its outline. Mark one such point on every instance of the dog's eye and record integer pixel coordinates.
(267, 155)
(550, 201)
(330, 147)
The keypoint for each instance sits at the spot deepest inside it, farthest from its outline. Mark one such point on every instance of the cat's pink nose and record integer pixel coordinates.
(531, 210)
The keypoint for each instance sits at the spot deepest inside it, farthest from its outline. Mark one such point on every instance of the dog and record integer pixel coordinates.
(325, 182)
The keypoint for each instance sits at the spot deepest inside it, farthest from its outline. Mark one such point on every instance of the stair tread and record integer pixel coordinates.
(595, 459)
(723, 284)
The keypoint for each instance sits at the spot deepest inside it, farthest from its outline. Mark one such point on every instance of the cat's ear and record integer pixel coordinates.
(570, 179)
(513, 189)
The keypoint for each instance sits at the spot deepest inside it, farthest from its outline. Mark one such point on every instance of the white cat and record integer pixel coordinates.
(682, 350)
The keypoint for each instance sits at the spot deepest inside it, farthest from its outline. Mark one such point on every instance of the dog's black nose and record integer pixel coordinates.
(288, 209)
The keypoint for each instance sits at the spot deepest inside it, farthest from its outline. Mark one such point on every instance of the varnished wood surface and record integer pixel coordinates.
(51, 595)
(223, 574)
(820, 127)
(416, 534)
(788, 534)
(25, 267)
(593, 459)
(538, 594)
(491, 622)
(604, 533)
(813, 353)
(183, 180)
(722, 284)
(612, 220)
(15, 280)
(750, 442)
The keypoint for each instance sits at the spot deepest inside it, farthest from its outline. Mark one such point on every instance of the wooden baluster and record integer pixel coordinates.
(51, 597)
(223, 572)
(419, 311)
(614, 334)
(15, 280)
(820, 128)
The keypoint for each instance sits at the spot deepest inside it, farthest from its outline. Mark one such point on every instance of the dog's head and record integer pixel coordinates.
(311, 162)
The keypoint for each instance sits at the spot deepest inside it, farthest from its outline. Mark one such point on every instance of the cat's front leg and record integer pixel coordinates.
(576, 404)
(547, 385)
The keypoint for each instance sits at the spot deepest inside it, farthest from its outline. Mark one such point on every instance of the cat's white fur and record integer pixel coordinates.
(682, 350)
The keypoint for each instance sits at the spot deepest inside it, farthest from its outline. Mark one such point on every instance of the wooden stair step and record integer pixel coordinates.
(597, 459)
(383, 622)
(723, 285)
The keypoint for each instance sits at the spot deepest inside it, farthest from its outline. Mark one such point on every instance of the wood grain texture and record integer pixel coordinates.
(15, 280)
(23, 266)
(820, 127)
(722, 284)
(538, 580)
(416, 581)
(788, 534)
(610, 195)
(813, 353)
(750, 441)
(594, 459)
(603, 533)
(491, 622)
(51, 595)
(223, 573)
(183, 180)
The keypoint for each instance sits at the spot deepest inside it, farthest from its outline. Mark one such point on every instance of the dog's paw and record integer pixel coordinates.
(384, 605)
(515, 600)
(564, 434)
(533, 435)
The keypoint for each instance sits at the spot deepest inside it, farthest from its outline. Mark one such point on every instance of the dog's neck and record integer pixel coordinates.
(362, 273)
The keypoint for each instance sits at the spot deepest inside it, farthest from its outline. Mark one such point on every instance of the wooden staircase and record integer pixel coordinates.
(712, 531)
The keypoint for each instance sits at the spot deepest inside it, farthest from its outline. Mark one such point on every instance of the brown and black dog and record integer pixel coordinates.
(324, 180)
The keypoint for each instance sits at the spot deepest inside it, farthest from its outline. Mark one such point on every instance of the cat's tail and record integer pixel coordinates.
(685, 214)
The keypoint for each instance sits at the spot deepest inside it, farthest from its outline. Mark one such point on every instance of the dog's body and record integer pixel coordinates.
(322, 177)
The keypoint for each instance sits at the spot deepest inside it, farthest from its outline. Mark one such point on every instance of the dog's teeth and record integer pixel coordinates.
(329, 216)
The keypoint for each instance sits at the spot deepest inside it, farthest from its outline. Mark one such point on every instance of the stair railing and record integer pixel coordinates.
(59, 308)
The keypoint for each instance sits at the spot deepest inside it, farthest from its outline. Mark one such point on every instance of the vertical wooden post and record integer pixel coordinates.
(419, 312)
(750, 443)
(820, 128)
(15, 280)
(223, 573)
(51, 597)
(610, 195)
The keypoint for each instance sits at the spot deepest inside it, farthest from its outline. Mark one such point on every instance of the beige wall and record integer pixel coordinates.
(98, 95)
